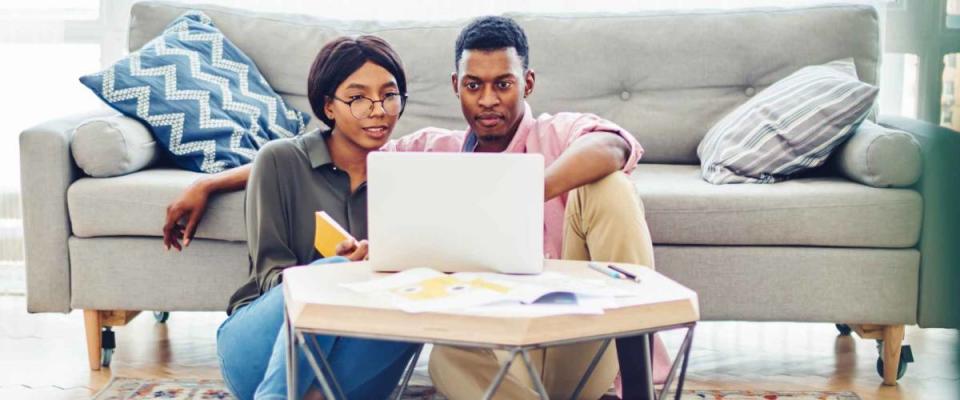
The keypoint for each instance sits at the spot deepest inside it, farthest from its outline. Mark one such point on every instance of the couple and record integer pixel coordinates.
(357, 86)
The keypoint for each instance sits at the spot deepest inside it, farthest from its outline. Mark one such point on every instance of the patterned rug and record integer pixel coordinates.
(137, 389)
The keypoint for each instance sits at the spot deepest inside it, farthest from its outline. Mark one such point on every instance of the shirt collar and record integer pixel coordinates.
(518, 143)
(316, 148)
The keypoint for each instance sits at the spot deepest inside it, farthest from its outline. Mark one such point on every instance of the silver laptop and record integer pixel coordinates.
(455, 212)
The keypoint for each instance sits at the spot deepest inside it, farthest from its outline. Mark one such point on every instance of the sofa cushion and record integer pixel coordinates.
(204, 100)
(881, 157)
(136, 205)
(789, 127)
(109, 146)
(682, 208)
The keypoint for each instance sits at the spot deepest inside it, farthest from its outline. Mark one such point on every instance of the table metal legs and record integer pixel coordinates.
(328, 384)
(321, 367)
(682, 353)
(498, 378)
(633, 353)
(411, 366)
(590, 368)
(534, 375)
(291, 357)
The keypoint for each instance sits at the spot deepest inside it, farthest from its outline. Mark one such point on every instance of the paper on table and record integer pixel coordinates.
(423, 289)
(583, 306)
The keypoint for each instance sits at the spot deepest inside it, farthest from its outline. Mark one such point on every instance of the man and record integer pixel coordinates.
(591, 210)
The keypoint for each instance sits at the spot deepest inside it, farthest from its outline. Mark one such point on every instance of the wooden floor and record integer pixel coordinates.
(43, 356)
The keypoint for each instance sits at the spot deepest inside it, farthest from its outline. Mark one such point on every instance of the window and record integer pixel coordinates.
(899, 85)
(46, 46)
(949, 106)
(953, 14)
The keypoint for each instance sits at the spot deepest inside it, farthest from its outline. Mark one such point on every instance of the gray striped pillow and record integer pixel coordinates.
(790, 126)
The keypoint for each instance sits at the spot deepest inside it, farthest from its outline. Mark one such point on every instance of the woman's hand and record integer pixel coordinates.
(352, 249)
(190, 205)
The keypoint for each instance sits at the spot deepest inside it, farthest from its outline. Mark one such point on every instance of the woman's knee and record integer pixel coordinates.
(245, 342)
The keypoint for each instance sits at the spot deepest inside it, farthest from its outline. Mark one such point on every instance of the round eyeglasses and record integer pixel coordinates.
(362, 107)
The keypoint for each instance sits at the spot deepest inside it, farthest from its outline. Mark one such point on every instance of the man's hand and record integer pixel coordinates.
(190, 205)
(354, 250)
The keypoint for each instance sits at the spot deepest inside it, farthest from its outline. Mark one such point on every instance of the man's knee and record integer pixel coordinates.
(612, 191)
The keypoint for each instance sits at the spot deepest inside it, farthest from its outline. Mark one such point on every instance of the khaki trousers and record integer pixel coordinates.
(603, 221)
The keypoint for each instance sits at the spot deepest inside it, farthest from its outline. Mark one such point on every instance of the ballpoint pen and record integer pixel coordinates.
(626, 273)
(608, 272)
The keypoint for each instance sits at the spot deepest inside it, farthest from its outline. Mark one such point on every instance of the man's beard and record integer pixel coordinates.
(491, 137)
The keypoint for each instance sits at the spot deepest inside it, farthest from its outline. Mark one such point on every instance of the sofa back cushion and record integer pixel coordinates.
(667, 77)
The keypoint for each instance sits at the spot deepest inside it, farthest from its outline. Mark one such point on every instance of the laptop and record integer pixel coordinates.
(455, 212)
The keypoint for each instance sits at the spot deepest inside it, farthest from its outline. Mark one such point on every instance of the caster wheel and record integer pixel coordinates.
(844, 329)
(108, 342)
(161, 316)
(105, 356)
(901, 369)
(906, 357)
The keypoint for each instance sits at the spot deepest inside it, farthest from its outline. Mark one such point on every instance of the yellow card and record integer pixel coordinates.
(328, 234)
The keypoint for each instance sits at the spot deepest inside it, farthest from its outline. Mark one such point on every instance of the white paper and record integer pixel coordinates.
(426, 290)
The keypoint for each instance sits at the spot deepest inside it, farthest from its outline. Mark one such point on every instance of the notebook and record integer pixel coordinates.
(328, 234)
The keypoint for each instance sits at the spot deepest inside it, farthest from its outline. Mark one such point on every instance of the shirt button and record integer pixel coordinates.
(624, 95)
(750, 91)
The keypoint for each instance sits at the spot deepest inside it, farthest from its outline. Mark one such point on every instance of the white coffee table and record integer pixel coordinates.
(317, 305)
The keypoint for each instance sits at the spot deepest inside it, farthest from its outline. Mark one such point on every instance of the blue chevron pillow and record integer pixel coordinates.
(203, 99)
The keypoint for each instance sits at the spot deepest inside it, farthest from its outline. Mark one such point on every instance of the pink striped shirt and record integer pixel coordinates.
(548, 135)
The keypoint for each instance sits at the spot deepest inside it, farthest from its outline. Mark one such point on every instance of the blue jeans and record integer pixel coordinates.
(252, 348)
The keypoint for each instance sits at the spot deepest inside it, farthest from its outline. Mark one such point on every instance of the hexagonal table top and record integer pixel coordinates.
(316, 303)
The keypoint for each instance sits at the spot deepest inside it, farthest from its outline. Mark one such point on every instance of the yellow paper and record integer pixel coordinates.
(445, 286)
(328, 234)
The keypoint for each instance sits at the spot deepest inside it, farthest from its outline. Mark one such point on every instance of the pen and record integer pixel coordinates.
(624, 272)
(607, 272)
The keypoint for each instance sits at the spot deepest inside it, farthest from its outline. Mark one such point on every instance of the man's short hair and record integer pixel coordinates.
(492, 33)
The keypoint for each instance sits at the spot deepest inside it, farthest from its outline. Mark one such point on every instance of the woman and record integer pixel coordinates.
(356, 86)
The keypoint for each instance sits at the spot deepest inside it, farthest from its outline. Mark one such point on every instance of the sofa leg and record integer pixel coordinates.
(94, 322)
(892, 341)
(92, 325)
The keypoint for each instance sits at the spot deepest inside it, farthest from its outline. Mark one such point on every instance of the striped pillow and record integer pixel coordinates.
(792, 125)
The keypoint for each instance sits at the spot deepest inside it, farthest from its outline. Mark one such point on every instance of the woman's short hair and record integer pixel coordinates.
(340, 58)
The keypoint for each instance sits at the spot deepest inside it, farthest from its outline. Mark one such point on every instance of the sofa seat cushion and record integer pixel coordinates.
(682, 208)
(136, 205)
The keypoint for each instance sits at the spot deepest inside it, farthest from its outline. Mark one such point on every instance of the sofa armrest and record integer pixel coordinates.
(939, 253)
(46, 170)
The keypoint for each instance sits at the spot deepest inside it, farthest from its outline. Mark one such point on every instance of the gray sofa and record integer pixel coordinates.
(820, 248)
